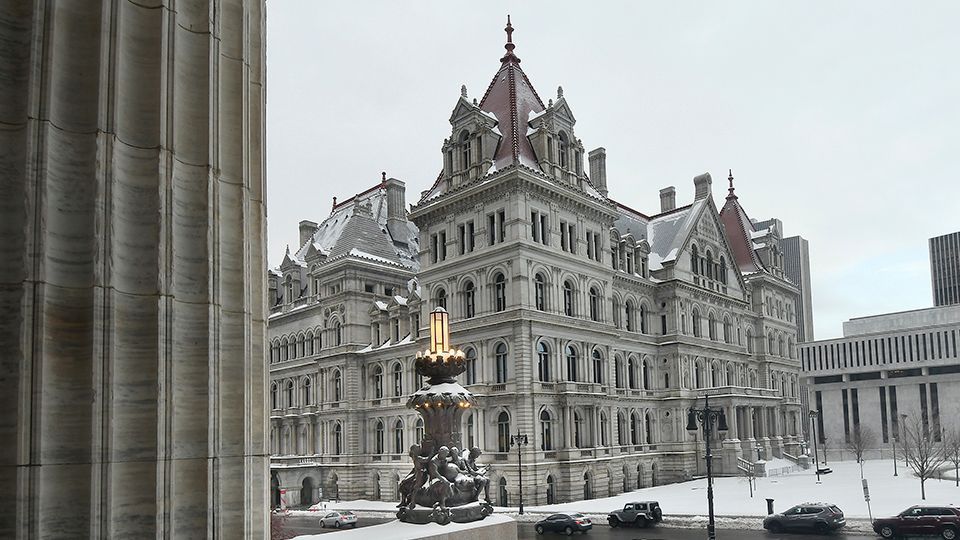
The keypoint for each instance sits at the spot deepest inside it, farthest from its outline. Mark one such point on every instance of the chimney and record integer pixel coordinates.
(396, 199)
(702, 185)
(307, 228)
(598, 169)
(668, 199)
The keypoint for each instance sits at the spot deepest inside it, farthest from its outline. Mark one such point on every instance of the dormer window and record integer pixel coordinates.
(564, 149)
(464, 149)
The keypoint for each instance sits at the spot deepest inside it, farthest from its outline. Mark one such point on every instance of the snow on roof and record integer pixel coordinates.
(667, 233)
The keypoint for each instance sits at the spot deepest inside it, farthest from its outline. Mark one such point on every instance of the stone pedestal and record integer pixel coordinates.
(495, 527)
(777, 445)
(804, 461)
(731, 451)
(767, 445)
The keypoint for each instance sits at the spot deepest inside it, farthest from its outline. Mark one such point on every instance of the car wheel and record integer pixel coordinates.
(568, 531)
(887, 531)
(821, 528)
(322, 524)
(948, 533)
(539, 529)
(641, 522)
(613, 523)
(336, 525)
(775, 527)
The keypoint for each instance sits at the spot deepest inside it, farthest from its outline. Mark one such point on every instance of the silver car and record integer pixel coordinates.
(339, 519)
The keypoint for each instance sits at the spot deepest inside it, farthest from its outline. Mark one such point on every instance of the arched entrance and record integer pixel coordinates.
(376, 486)
(587, 486)
(626, 479)
(275, 490)
(503, 492)
(653, 474)
(640, 473)
(307, 491)
(551, 490)
(334, 487)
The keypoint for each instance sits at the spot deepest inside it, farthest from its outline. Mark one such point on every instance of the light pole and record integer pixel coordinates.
(519, 440)
(895, 452)
(903, 420)
(813, 431)
(707, 416)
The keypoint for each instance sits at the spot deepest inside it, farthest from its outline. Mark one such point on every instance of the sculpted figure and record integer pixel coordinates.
(415, 479)
(480, 480)
(440, 487)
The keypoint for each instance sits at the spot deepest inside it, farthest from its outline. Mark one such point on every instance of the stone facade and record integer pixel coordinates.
(131, 277)
(588, 326)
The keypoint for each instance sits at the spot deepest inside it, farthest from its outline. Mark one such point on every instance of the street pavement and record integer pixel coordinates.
(604, 532)
(311, 524)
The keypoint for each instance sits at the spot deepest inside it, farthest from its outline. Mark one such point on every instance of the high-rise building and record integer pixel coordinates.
(945, 269)
(588, 325)
(796, 265)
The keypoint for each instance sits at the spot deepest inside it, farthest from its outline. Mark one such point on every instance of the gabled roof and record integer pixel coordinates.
(739, 230)
(667, 232)
(511, 98)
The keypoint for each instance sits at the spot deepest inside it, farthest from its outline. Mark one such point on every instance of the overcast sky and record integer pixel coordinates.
(840, 118)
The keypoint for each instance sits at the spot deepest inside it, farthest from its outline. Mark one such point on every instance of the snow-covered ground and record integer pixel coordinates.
(395, 530)
(888, 495)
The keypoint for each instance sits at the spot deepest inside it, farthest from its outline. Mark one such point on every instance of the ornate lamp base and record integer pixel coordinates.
(458, 514)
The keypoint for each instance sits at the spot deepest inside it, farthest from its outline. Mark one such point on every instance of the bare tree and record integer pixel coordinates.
(923, 454)
(951, 443)
(861, 439)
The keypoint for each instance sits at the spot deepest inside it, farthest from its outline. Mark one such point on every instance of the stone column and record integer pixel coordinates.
(132, 278)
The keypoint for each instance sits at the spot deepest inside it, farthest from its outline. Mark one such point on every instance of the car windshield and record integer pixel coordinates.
(347, 513)
(576, 516)
(911, 512)
(836, 510)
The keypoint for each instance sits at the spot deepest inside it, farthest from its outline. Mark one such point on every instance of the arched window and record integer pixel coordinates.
(418, 430)
(780, 347)
(726, 329)
(471, 433)
(628, 315)
(648, 428)
(564, 149)
(771, 343)
(337, 439)
(377, 382)
(572, 359)
(546, 431)
(698, 374)
(307, 397)
(378, 438)
(337, 333)
(645, 366)
(503, 432)
(577, 428)
(540, 292)
(337, 386)
(712, 327)
(274, 396)
(441, 300)
(551, 490)
(694, 259)
(309, 344)
(543, 361)
(288, 289)
(471, 371)
(621, 429)
(568, 298)
(723, 270)
(643, 319)
(618, 372)
(398, 437)
(397, 380)
(603, 429)
(291, 398)
(634, 429)
(616, 313)
(500, 354)
(696, 323)
(291, 348)
(500, 292)
(709, 265)
(597, 366)
(594, 304)
(749, 341)
(714, 375)
(632, 373)
(469, 300)
(464, 149)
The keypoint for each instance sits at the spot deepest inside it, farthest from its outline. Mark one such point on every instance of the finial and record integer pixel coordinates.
(474, 101)
(383, 176)
(559, 92)
(288, 250)
(730, 193)
(463, 90)
(549, 103)
(509, 46)
(334, 204)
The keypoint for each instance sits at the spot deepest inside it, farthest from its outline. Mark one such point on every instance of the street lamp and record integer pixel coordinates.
(894, 440)
(519, 440)
(903, 420)
(707, 416)
(813, 431)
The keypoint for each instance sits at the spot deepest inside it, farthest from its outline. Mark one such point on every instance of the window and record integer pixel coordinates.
(398, 437)
(726, 330)
(337, 334)
(546, 431)
(616, 312)
(471, 370)
(395, 329)
(618, 372)
(577, 428)
(709, 265)
(538, 228)
(291, 402)
(464, 149)
(603, 428)
(696, 323)
(628, 315)
(645, 368)
(274, 396)
(503, 432)
(441, 300)
(712, 327)
(337, 439)
(377, 382)
(468, 300)
(471, 432)
(723, 270)
(632, 373)
(378, 438)
(465, 237)
(568, 298)
(643, 319)
(564, 149)
(501, 225)
(307, 395)
(540, 292)
(337, 386)
(594, 304)
(500, 292)
(694, 259)
(501, 362)
(543, 361)
(572, 359)
(597, 366)
(418, 430)
(397, 380)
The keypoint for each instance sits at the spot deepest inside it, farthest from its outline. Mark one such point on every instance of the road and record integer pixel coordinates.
(603, 532)
(311, 525)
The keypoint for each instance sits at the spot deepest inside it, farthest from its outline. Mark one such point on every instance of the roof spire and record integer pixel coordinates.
(509, 57)
(730, 194)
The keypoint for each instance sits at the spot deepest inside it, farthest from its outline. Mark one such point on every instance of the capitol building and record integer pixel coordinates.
(590, 324)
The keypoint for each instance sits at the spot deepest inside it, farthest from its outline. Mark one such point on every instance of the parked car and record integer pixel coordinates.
(816, 517)
(943, 521)
(641, 514)
(565, 523)
(339, 519)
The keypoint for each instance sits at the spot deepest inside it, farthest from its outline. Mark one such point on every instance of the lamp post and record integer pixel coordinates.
(813, 431)
(894, 440)
(903, 420)
(519, 440)
(706, 417)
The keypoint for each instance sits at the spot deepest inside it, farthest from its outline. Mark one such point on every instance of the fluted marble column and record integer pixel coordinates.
(132, 220)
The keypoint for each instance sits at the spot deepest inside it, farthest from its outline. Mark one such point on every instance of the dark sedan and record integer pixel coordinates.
(811, 517)
(943, 521)
(565, 523)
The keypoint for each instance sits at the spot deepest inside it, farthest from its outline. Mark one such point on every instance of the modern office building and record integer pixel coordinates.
(883, 367)
(945, 269)
(589, 326)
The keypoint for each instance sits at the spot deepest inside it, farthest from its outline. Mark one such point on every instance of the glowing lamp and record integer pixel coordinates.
(439, 331)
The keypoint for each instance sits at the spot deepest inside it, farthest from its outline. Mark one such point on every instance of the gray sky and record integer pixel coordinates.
(840, 118)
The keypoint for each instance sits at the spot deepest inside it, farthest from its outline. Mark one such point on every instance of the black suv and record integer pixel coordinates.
(816, 517)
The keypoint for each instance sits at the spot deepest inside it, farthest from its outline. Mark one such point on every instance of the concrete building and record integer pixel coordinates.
(796, 266)
(885, 366)
(945, 269)
(589, 326)
(132, 382)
